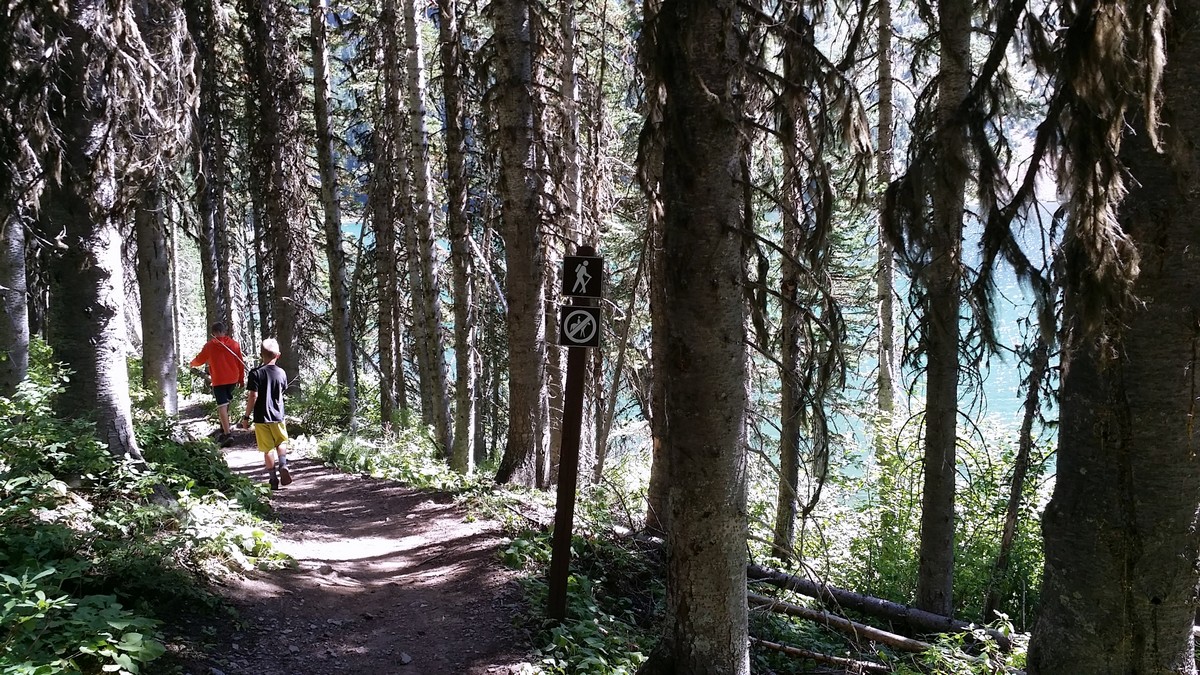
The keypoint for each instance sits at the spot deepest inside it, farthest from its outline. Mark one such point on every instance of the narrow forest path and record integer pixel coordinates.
(387, 579)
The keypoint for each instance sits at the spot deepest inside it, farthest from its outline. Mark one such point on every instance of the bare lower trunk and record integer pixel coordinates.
(657, 507)
(1039, 361)
(431, 352)
(382, 202)
(209, 160)
(522, 226)
(704, 349)
(275, 75)
(87, 316)
(466, 368)
(885, 273)
(157, 291)
(14, 316)
(1120, 584)
(935, 575)
(339, 299)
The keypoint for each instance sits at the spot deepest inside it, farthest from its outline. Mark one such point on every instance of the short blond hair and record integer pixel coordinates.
(271, 346)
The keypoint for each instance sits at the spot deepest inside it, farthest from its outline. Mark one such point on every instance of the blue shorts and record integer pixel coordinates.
(223, 393)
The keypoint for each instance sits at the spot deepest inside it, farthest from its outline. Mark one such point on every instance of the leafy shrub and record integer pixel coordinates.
(320, 407)
(43, 630)
(407, 456)
(87, 553)
(864, 534)
(972, 652)
(608, 628)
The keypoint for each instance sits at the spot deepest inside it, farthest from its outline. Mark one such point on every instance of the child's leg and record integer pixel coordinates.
(223, 413)
(285, 476)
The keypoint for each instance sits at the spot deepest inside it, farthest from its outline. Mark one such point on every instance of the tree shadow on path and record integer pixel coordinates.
(387, 579)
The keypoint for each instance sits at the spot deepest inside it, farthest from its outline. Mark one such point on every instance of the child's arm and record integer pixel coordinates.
(201, 358)
(251, 397)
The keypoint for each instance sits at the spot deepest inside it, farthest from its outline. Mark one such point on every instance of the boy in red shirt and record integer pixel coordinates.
(226, 367)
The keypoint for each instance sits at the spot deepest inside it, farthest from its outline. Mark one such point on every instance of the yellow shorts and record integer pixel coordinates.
(270, 435)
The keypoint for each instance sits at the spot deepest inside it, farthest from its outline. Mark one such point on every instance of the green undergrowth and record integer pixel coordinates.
(614, 591)
(614, 596)
(93, 548)
(973, 652)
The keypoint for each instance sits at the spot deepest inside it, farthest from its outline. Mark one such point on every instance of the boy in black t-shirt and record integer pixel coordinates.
(264, 400)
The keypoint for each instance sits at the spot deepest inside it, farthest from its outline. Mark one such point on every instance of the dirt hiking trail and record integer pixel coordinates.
(387, 579)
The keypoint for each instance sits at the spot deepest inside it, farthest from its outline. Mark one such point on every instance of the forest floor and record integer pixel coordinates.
(387, 579)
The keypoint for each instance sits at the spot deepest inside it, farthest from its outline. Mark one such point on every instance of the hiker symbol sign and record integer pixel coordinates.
(583, 276)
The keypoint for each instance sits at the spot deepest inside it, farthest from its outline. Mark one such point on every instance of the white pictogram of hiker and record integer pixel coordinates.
(581, 278)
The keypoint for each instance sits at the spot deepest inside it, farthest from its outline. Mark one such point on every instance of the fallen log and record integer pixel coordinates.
(842, 624)
(850, 665)
(917, 620)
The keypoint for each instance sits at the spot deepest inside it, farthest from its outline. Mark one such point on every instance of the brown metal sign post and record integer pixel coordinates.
(579, 329)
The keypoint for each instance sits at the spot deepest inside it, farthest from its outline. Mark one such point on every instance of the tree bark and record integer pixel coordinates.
(1039, 362)
(209, 157)
(847, 665)
(521, 218)
(917, 620)
(793, 292)
(275, 75)
(157, 290)
(339, 296)
(657, 506)
(427, 305)
(935, 574)
(466, 365)
(853, 628)
(383, 204)
(698, 60)
(14, 322)
(1119, 591)
(885, 273)
(87, 314)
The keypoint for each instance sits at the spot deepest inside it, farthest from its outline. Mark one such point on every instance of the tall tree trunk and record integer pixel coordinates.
(275, 76)
(27, 65)
(431, 352)
(657, 505)
(578, 230)
(547, 464)
(230, 240)
(935, 574)
(339, 296)
(262, 266)
(1038, 363)
(209, 157)
(466, 366)
(698, 60)
(87, 315)
(1119, 591)
(885, 382)
(793, 291)
(157, 291)
(386, 212)
(521, 218)
(37, 284)
(14, 323)
(253, 317)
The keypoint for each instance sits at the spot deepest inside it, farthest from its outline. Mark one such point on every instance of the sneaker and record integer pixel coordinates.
(274, 483)
(225, 440)
(285, 476)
